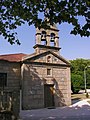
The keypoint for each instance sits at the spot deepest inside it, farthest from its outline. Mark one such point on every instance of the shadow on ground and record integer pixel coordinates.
(75, 100)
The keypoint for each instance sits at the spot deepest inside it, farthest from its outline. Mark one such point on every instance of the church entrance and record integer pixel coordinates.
(48, 95)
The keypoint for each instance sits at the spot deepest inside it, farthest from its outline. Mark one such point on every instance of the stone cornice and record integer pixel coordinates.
(47, 47)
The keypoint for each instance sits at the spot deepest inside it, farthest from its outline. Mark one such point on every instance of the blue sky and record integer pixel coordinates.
(72, 47)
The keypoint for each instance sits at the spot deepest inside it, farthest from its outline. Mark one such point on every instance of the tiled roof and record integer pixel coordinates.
(12, 57)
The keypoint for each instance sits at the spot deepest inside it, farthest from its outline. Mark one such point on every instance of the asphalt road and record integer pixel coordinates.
(78, 111)
(59, 118)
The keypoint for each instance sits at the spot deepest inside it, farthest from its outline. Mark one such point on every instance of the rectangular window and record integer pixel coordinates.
(48, 71)
(3, 79)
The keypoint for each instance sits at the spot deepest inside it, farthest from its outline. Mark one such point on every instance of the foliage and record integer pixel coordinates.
(76, 81)
(14, 13)
(77, 68)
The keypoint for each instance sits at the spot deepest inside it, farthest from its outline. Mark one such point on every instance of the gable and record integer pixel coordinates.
(47, 57)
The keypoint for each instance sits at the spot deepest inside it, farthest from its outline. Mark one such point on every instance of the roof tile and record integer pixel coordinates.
(12, 57)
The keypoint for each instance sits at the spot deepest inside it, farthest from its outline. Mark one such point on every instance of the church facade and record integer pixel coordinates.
(38, 80)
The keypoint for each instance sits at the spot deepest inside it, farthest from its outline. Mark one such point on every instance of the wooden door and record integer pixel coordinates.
(48, 95)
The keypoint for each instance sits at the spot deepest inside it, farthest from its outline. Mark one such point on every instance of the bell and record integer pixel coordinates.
(52, 39)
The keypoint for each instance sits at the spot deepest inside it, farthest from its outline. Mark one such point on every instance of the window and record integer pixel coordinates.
(48, 71)
(3, 79)
(48, 58)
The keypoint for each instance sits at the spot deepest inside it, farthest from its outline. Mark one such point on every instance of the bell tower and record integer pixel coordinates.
(47, 39)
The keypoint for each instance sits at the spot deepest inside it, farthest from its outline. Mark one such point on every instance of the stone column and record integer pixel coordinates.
(56, 42)
(38, 38)
(48, 40)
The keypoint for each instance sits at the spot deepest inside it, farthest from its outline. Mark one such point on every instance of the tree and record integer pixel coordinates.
(77, 68)
(76, 82)
(14, 13)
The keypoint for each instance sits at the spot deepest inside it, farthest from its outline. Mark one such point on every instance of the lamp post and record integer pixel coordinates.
(85, 78)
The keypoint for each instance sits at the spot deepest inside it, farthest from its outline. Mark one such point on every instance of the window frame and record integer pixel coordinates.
(49, 72)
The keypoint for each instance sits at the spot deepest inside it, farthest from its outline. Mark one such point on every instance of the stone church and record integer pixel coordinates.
(38, 80)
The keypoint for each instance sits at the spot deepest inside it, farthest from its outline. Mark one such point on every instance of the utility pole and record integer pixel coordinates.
(85, 80)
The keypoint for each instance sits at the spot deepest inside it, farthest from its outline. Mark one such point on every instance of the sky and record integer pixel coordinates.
(72, 47)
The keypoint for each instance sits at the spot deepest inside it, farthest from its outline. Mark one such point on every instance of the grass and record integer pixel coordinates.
(79, 96)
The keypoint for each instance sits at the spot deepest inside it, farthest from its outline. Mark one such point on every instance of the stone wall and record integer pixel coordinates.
(32, 88)
(34, 78)
(61, 78)
(13, 83)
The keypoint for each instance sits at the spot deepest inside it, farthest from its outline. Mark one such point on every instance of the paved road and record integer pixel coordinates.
(60, 118)
(78, 111)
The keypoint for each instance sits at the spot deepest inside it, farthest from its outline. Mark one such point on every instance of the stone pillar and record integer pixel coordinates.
(21, 87)
(38, 38)
(48, 40)
(56, 42)
(20, 99)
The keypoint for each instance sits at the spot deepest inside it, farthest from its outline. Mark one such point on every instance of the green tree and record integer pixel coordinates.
(77, 68)
(88, 78)
(76, 82)
(14, 13)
